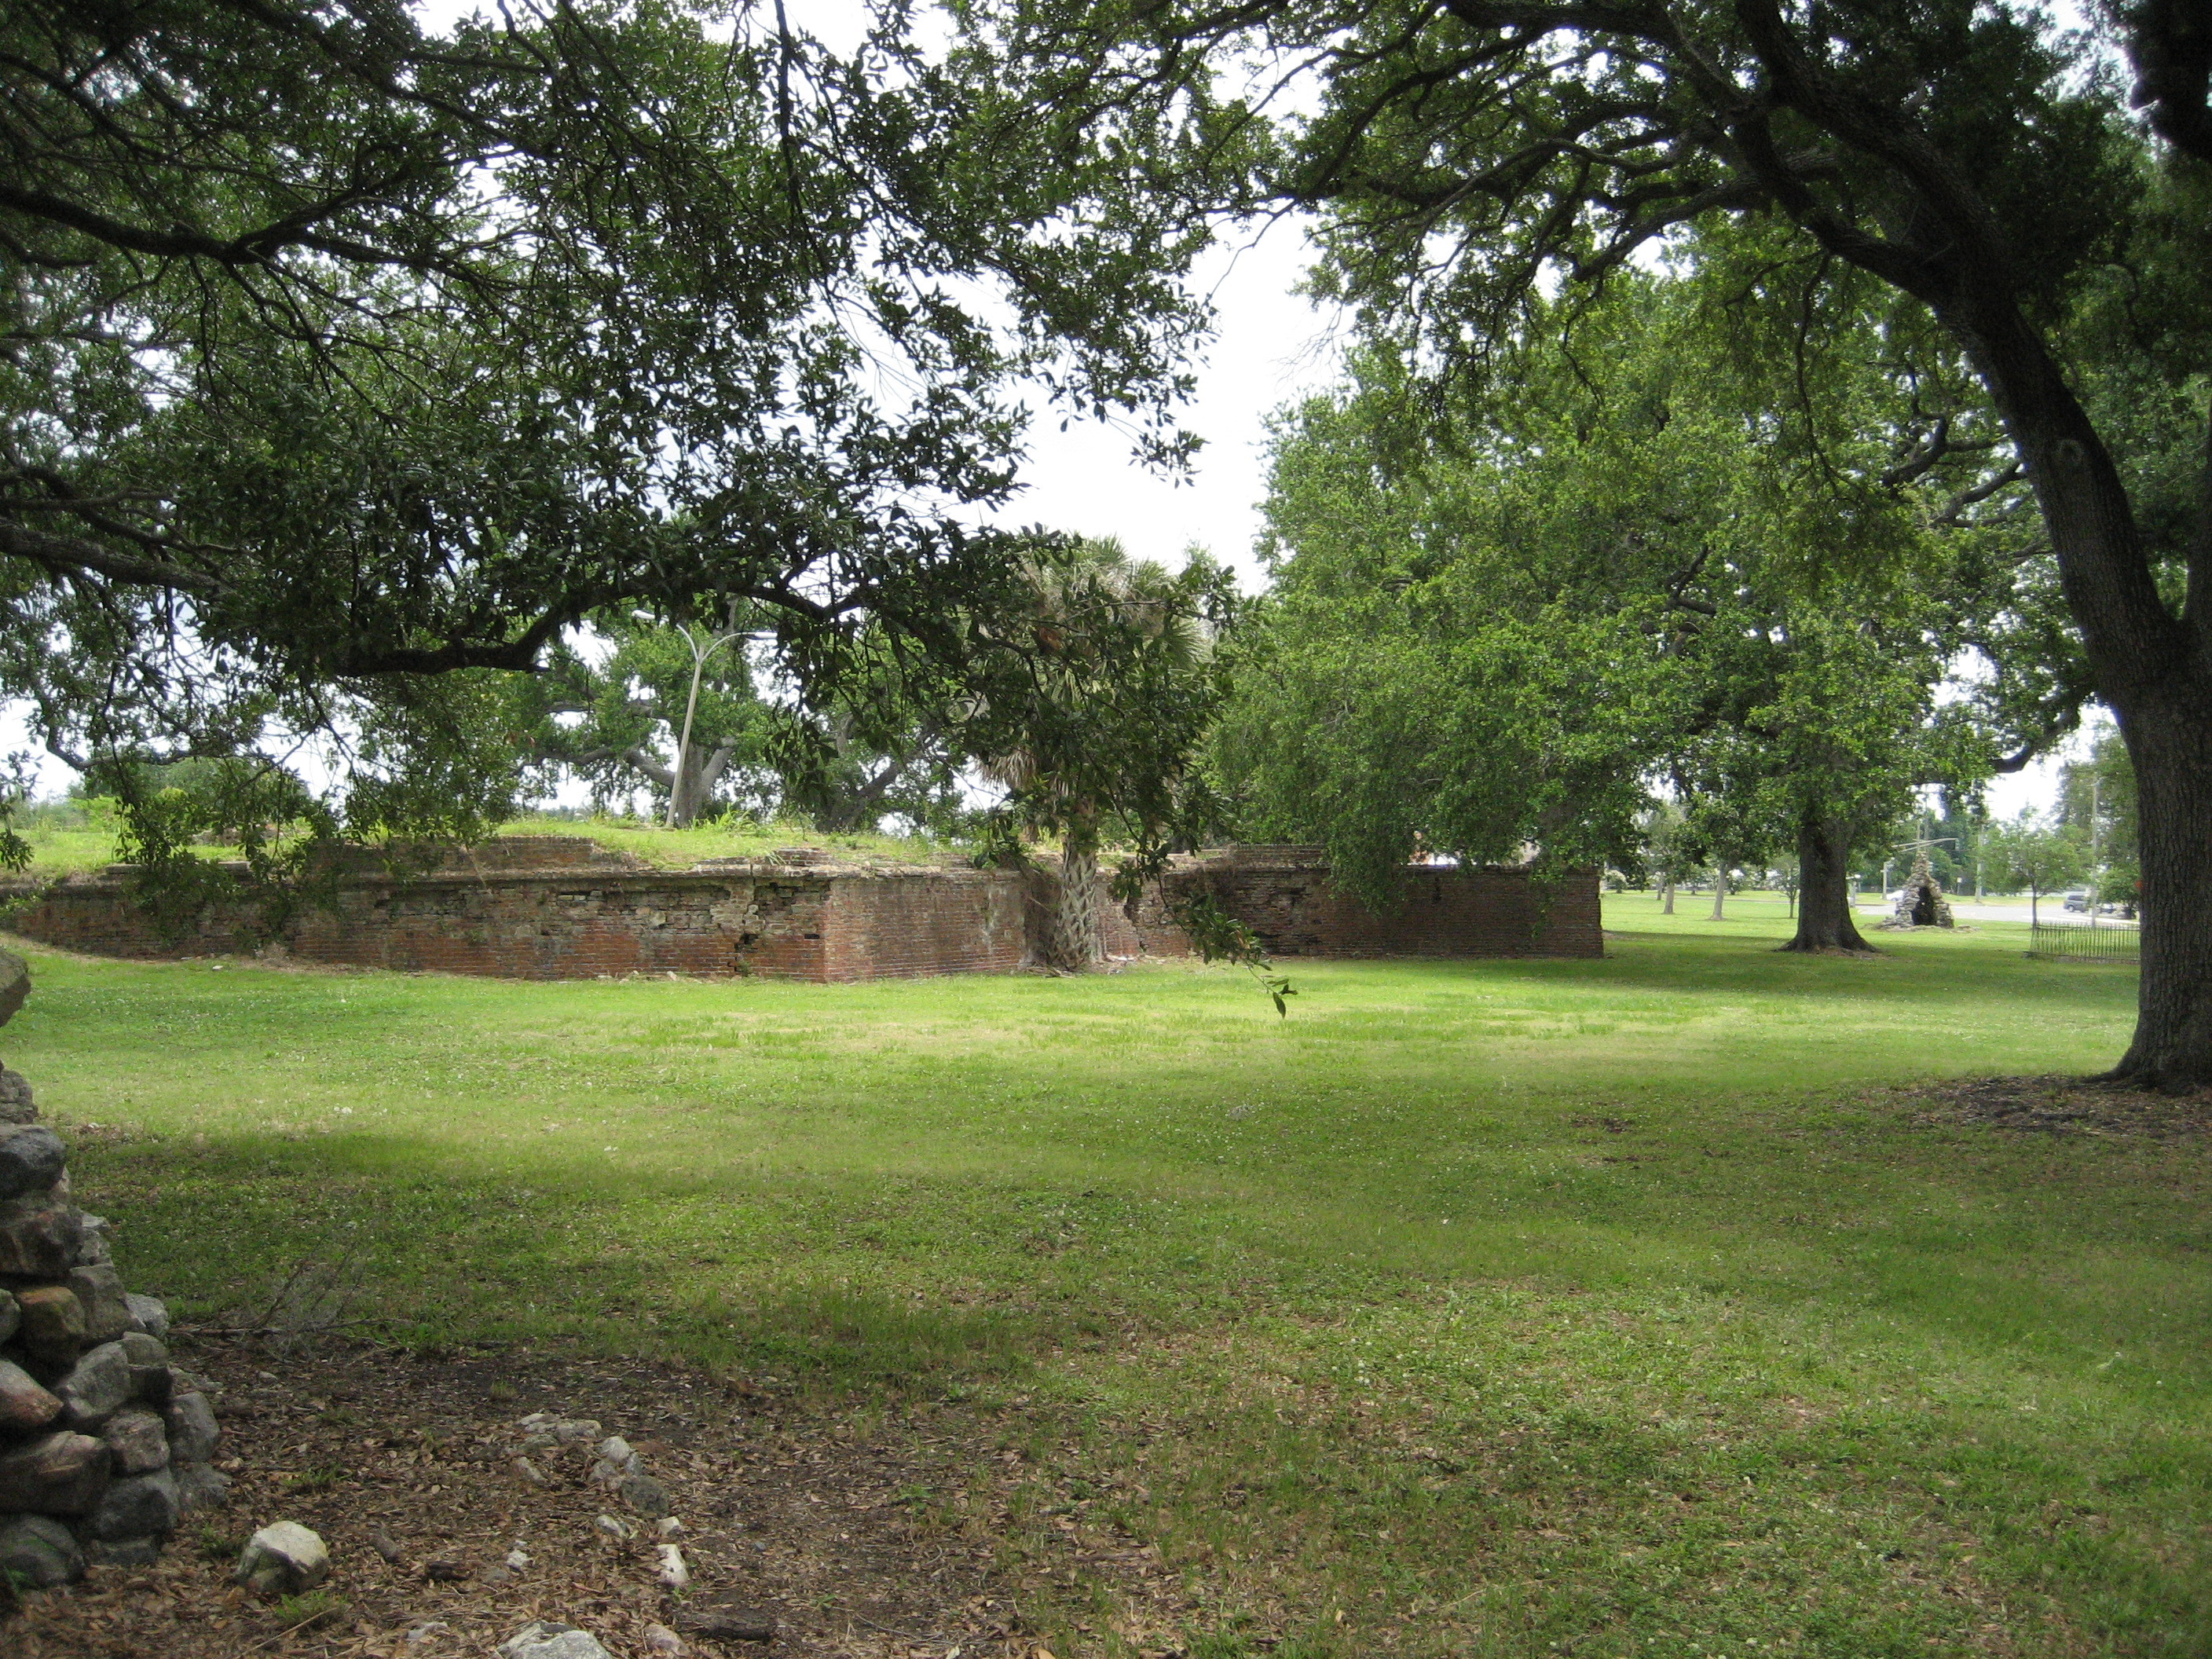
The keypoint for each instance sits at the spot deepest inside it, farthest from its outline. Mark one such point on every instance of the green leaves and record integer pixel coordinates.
(345, 351)
(1094, 681)
(1494, 634)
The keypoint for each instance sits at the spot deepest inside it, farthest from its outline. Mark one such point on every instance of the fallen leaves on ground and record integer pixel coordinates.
(881, 1531)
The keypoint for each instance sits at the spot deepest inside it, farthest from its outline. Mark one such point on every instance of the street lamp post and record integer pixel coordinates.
(699, 655)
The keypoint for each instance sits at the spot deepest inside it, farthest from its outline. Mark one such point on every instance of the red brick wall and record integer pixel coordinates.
(944, 921)
(1284, 896)
(559, 908)
(781, 922)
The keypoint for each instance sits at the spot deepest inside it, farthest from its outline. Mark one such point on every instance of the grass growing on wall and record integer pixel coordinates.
(1593, 1307)
(62, 843)
(734, 838)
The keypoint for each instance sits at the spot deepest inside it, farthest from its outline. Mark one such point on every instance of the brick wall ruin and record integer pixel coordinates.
(557, 907)
(1283, 894)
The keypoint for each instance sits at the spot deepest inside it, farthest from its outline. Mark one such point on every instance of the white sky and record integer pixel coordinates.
(1271, 348)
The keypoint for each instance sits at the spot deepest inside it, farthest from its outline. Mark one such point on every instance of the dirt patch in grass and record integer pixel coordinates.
(889, 1530)
(2063, 1106)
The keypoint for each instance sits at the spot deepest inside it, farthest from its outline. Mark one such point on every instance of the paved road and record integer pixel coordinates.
(1997, 910)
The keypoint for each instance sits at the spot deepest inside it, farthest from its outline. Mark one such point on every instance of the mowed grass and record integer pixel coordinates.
(1617, 1307)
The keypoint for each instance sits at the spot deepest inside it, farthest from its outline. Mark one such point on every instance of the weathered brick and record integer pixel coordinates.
(561, 908)
(1283, 894)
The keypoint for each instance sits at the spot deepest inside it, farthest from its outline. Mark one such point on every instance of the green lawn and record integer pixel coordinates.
(1578, 1307)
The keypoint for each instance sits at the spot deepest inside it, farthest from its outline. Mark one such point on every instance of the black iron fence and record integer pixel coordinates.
(2106, 941)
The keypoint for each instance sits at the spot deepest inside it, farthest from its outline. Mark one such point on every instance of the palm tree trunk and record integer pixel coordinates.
(1073, 942)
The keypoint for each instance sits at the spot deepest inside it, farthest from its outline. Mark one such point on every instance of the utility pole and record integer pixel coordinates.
(2096, 805)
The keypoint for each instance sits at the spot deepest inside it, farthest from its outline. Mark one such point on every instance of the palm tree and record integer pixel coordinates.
(1111, 640)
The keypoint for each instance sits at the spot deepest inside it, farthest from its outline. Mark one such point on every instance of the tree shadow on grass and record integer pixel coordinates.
(443, 1258)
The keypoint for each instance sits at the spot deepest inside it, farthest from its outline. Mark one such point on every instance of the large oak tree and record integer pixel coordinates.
(1470, 154)
(344, 360)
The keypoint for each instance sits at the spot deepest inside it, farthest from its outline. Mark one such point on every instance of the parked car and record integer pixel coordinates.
(2077, 900)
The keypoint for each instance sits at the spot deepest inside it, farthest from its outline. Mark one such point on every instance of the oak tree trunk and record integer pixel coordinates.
(2169, 739)
(2154, 669)
(1823, 889)
(691, 789)
(1667, 906)
(1720, 895)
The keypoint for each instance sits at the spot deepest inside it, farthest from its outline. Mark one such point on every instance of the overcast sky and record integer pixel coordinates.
(1271, 348)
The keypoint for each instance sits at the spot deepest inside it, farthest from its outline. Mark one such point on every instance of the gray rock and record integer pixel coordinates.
(123, 1551)
(151, 1379)
(608, 1476)
(10, 1316)
(15, 1103)
(645, 1494)
(52, 1323)
(283, 1559)
(99, 1388)
(58, 1474)
(674, 1574)
(24, 1405)
(39, 1554)
(138, 1443)
(539, 1640)
(99, 1287)
(192, 1429)
(615, 1449)
(31, 1159)
(38, 1235)
(15, 984)
(142, 1505)
(93, 1247)
(200, 1487)
(150, 1312)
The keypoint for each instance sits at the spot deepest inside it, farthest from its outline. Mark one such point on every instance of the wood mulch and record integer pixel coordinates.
(895, 1532)
(2062, 1106)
